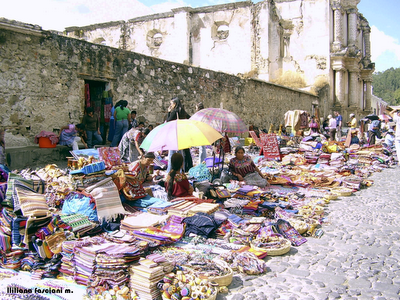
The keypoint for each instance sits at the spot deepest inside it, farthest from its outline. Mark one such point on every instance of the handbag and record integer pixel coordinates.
(133, 189)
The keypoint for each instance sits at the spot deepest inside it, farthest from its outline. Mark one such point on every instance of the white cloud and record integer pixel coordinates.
(381, 43)
(58, 14)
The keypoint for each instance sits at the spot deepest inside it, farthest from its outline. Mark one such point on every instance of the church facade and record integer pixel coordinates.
(324, 41)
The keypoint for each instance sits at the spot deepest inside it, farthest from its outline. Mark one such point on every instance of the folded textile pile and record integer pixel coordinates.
(112, 264)
(144, 279)
(143, 220)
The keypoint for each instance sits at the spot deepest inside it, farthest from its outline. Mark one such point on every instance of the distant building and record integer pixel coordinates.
(323, 40)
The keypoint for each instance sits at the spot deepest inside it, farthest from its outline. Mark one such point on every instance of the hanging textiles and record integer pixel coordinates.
(87, 95)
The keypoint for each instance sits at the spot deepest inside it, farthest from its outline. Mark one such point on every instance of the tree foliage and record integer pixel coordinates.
(387, 85)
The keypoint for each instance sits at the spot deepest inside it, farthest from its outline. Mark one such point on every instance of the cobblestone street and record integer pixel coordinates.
(356, 258)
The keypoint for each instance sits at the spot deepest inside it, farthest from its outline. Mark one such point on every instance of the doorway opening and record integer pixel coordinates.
(98, 96)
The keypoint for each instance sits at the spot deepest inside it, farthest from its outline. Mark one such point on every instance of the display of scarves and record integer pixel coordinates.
(108, 202)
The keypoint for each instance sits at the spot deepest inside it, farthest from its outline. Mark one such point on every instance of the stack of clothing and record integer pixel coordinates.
(181, 208)
(207, 208)
(142, 221)
(85, 252)
(112, 264)
(144, 278)
(337, 160)
(68, 262)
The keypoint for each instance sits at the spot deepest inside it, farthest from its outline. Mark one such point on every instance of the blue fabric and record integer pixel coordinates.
(143, 202)
(76, 203)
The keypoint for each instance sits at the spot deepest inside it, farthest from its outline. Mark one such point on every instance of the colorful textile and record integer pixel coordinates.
(110, 156)
(139, 171)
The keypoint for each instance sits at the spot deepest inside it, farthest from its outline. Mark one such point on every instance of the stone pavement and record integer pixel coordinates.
(358, 257)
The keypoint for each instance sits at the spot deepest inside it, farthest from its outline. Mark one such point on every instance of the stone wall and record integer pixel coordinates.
(42, 77)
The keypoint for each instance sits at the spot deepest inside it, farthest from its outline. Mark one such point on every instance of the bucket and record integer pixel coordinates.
(44, 142)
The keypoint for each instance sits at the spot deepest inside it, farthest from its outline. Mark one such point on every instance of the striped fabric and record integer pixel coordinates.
(108, 202)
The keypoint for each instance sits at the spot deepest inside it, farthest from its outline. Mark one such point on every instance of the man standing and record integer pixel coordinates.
(353, 121)
(339, 120)
(375, 131)
(332, 127)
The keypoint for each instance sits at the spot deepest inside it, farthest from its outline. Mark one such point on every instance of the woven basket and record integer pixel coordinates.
(285, 248)
(212, 297)
(342, 191)
(224, 280)
(331, 196)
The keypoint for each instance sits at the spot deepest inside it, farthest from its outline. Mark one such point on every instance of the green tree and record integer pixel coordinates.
(387, 85)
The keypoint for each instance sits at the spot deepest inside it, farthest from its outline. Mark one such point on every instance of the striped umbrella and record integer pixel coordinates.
(180, 134)
(221, 120)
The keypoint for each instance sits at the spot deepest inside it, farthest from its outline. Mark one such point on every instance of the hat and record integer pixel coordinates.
(330, 117)
(352, 115)
(391, 130)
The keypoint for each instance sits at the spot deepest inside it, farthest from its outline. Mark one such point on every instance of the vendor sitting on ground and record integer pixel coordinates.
(389, 139)
(140, 168)
(177, 184)
(70, 136)
(243, 167)
(354, 137)
(129, 145)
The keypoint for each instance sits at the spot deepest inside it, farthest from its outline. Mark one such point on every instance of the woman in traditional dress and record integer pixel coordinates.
(177, 184)
(129, 146)
(141, 168)
(243, 167)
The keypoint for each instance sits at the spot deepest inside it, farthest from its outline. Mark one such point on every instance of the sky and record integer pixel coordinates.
(58, 14)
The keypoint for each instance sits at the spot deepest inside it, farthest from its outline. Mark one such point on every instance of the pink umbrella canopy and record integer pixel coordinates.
(221, 120)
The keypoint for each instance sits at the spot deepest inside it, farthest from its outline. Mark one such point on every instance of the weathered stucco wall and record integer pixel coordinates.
(42, 78)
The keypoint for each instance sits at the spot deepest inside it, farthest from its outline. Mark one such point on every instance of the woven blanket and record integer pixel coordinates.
(108, 202)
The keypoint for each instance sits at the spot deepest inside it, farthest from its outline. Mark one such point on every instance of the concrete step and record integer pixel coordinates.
(33, 156)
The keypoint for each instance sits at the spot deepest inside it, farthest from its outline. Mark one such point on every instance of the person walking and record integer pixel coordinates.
(176, 111)
(92, 128)
(122, 116)
(339, 120)
(374, 132)
(202, 149)
(111, 130)
(396, 118)
(332, 128)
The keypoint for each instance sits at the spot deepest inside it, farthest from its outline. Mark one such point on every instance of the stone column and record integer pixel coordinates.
(353, 89)
(339, 90)
(367, 41)
(352, 25)
(338, 26)
(368, 96)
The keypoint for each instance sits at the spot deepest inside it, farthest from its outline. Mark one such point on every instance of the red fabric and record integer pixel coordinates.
(181, 186)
